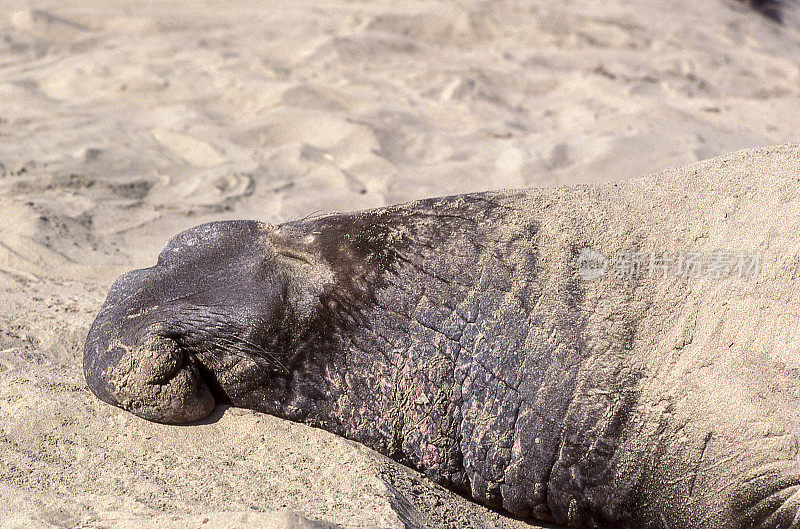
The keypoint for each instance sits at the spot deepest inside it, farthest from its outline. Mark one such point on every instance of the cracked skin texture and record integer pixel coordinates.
(456, 336)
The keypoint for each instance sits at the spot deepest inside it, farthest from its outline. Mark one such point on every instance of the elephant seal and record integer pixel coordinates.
(458, 336)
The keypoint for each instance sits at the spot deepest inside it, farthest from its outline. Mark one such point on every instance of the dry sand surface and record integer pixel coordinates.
(123, 123)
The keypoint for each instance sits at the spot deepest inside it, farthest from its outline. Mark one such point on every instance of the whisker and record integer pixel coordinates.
(266, 355)
(232, 340)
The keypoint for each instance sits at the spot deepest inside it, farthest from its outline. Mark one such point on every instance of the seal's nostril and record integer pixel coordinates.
(162, 358)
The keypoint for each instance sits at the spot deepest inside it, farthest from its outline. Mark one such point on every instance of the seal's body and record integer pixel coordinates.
(460, 337)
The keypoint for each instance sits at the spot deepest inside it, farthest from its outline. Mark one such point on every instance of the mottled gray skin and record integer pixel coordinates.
(453, 335)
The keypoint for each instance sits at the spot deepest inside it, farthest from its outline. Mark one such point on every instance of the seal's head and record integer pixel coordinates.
(208, 323)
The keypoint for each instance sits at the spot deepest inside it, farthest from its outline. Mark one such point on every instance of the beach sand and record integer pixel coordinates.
(124, 123)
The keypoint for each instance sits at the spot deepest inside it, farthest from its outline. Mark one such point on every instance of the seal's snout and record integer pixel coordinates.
(197, 304)
(153, 378)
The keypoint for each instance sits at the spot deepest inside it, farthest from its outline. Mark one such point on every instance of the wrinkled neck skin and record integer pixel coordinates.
(443, 343)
